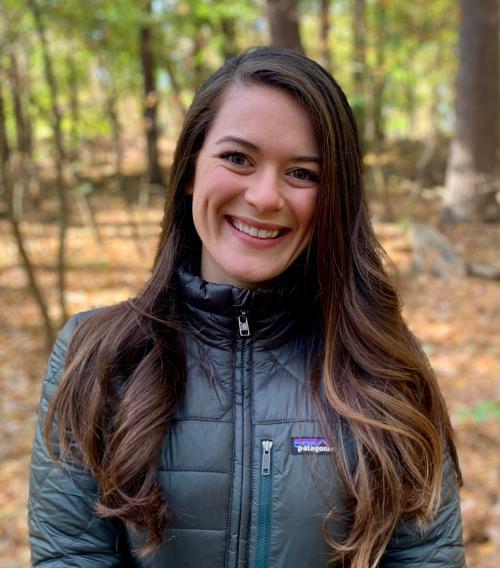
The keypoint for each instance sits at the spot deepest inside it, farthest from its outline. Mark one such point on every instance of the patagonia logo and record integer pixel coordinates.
(304, 446)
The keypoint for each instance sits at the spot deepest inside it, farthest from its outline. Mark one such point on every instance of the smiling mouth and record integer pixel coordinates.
(254, 231)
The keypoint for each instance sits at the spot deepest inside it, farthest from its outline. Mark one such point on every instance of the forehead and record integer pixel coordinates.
(264, 114)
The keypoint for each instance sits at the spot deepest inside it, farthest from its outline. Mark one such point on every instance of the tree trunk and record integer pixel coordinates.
(24, 137)
(74, 103)
(112, 112)
(284, 24)
(324, 35)
(378, 133)
(4, 141)
(21, 120)
(375, 124)
(470, 191)
(359, 102)
(431, 140)
(6, 184)
(229, 46)
(150, 103)
(60, 154)
(199, 43)
(176, 89)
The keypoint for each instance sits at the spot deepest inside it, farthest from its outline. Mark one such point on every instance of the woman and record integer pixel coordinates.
(260, 402)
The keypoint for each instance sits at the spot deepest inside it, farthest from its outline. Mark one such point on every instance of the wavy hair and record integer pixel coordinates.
(125, 364)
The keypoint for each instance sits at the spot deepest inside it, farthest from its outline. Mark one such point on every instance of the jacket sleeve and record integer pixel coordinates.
(64, 530)
(438, 544)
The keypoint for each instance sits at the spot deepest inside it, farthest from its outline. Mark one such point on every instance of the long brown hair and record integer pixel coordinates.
(125, 365)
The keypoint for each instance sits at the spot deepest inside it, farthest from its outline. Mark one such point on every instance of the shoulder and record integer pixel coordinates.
(58, 355)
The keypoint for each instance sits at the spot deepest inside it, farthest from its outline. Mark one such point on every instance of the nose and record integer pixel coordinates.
(264, 192)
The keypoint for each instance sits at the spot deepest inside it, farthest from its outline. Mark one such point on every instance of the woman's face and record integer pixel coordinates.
(255, 185)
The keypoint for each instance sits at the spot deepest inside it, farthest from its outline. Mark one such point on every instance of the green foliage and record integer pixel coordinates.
(484, 411)
(96, 56)
(410, 47)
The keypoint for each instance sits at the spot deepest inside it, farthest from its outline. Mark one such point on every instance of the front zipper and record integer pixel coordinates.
(243, 324)
(243, 449)
(264, 524)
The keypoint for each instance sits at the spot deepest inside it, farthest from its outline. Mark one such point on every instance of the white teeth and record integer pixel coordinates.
(252, 231)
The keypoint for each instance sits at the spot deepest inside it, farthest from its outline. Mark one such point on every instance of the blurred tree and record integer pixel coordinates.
(284, 24)
(112, 100)
(4, 140)
(228, 29)
(324, 37)
(73, 84)
(8, 174)
(379, 72)
(151, 99)
(60, 152)
(470, 188)
(359, 99)
(28, 182)
(23, 130)
(390, 57)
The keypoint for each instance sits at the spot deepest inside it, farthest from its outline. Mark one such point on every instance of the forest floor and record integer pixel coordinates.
(456, 319)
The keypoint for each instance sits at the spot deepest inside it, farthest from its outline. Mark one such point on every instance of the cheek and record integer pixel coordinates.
(225, 185)
(305, 208)
(217, 187)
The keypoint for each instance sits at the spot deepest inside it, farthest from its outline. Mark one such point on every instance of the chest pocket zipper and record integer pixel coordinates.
(264, 522)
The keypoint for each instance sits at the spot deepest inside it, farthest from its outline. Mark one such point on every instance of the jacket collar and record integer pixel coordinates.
(274, 313)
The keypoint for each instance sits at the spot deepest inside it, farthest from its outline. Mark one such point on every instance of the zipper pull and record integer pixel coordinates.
(243, 324)
(266, 456)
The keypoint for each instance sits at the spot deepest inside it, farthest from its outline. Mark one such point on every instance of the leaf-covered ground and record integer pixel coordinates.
(457, 320)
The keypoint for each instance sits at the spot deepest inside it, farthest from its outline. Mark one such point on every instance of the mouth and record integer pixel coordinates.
(257, 232)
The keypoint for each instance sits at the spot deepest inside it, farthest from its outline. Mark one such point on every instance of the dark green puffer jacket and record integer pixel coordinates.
(244, 467)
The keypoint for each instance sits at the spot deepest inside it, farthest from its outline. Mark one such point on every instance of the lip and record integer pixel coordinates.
(257, 224)
(255, 242)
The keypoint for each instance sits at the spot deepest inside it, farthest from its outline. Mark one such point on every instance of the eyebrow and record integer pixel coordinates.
(255, 148)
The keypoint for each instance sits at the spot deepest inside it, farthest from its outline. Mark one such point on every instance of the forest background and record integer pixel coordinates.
(92, 96)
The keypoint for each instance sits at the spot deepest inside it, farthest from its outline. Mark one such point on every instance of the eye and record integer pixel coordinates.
(236, 158)
(302, 174)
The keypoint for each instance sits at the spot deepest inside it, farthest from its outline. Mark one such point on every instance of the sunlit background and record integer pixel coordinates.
(92, 97)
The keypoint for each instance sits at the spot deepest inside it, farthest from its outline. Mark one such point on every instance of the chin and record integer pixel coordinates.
(248, 278)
